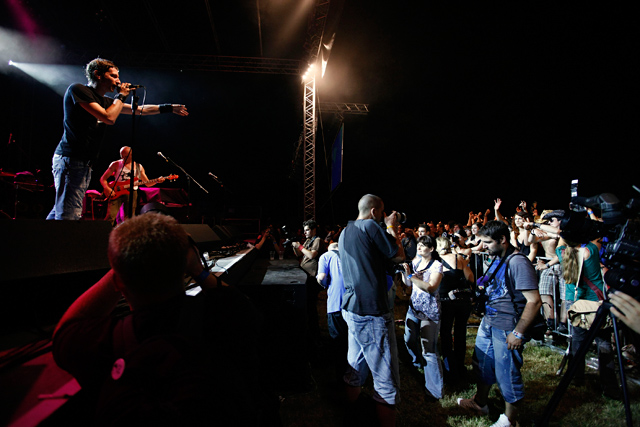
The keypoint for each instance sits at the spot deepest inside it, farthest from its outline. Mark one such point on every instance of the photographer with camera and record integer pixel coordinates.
(268, 243)
(365, 248)
(583, 278)
(310, 251)
(157, 365)
(512, 305)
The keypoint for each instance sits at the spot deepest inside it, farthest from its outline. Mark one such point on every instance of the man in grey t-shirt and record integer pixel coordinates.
(512, 288)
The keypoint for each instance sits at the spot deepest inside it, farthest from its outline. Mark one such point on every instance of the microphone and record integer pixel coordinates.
(162, 155)
(133, 87)
(215, 177)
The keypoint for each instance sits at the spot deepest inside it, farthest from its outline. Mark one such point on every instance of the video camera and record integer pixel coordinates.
(620, 232)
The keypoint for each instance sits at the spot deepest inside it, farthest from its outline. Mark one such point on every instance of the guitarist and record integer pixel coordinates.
(121, 170)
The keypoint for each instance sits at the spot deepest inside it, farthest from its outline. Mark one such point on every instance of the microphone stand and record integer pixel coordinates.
(189, 179)
(134, 108)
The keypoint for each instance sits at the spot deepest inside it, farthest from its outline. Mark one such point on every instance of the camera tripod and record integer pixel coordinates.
(601, 316)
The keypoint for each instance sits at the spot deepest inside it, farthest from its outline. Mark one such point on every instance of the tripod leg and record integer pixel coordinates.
(573, 365)
(623, 379)
(565, 359)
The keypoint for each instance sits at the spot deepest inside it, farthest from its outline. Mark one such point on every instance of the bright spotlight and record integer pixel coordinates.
(11, 62)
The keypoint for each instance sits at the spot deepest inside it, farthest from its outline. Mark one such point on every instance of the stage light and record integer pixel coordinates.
(56, 77)
(14, 44)
(310, 73)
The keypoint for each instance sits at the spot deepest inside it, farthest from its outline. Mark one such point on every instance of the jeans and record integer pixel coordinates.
(71, 178)
(373, 348)
(494, 363)
(421, 339)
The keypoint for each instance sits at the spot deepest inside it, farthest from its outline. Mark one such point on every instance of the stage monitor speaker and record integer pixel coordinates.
(224, 234)
(45, 266)
(206, 239)
(40, 248)
(234, 231)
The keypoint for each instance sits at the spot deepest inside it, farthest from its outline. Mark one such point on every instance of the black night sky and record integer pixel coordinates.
(466, 103)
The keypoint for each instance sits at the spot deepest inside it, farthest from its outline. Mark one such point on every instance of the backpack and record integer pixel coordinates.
(538, 326)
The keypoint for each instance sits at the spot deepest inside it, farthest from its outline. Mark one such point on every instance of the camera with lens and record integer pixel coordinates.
(289, 236)
(620, 233)
(479, 300)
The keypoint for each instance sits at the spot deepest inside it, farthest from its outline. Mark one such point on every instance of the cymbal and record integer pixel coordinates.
(7, 174)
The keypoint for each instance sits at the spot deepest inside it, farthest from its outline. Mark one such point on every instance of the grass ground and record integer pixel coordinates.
(322, 402)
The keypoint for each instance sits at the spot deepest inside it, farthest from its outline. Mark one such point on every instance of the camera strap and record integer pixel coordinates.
(493, 274)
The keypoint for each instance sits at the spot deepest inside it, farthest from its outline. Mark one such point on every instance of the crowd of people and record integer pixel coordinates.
(509, 267)
(445, 269)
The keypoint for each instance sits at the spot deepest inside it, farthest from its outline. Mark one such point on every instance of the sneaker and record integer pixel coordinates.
(563, 329)
(471, 405)
(503, 421)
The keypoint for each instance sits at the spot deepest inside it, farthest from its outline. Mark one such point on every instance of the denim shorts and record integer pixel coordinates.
(373, 348)
(494, 363)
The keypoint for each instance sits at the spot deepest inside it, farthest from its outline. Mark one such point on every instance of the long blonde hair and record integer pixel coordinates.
(571, 263)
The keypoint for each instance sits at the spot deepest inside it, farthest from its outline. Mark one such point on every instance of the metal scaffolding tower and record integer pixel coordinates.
(309, 133)
(315, 34)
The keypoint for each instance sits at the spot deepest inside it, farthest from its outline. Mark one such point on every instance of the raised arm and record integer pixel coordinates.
(496, 209)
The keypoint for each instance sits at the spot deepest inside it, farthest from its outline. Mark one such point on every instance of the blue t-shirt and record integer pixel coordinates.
(365, 249)
(329, 264)
(506, 301)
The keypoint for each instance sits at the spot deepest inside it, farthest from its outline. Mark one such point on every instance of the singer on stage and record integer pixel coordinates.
(87, 112)
(120, 170)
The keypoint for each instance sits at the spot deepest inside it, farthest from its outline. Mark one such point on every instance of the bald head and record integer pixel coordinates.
(124, 152)
(367, 203)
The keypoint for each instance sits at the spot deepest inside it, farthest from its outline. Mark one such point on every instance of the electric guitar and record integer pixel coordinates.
(121, 188)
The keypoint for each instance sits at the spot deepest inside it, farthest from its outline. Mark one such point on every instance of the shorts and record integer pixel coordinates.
(549, 279)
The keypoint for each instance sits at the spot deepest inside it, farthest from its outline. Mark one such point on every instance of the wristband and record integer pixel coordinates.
(410, 276)
(390, 226)
(165, 108)
(121, 97)
(202, 276)
(517, 335)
